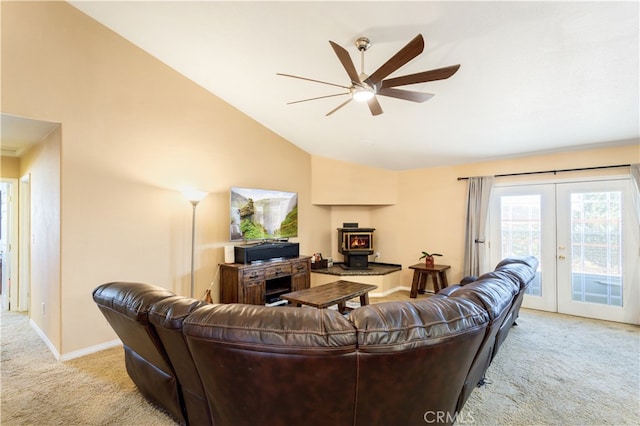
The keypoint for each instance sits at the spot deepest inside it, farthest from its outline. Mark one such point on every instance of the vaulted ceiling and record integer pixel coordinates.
(535, 77)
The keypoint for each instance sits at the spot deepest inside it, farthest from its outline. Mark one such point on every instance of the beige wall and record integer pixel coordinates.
(429, 212)
(42, 164)
(434, 202)
(133, 134)
(10, 167)
(336, 182)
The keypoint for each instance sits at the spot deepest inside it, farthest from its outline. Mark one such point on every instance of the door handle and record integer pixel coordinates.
(561, 257)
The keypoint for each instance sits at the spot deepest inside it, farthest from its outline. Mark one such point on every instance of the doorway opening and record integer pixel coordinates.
(9, 244)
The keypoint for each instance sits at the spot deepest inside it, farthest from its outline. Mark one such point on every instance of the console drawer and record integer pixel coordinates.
(251, 275)
(276, 271)
(300, 267)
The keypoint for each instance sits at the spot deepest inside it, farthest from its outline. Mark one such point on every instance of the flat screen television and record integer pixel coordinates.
(263, 214)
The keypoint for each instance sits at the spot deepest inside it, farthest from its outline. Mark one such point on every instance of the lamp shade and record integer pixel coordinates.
(193, 195)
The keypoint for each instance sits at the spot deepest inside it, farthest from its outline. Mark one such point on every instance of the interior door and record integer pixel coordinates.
(585, 236)
(8, 241)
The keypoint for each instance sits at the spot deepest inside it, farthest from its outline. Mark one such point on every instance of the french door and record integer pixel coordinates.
(585, 235)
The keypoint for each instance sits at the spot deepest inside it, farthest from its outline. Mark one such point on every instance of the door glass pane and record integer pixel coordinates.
(521, 230)
(596, 247)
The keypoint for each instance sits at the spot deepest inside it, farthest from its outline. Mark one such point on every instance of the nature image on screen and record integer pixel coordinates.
(261, 214)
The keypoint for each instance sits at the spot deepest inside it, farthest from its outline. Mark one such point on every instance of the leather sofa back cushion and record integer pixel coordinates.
(489, 293)
(523, 268)
(397, 326)
(280, 329)
(130, 299)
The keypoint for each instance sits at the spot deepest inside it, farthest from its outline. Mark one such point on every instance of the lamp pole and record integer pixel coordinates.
(193, 244)
(194, 198)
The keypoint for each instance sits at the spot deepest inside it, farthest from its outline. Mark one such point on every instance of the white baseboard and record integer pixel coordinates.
(45, 339)
(388, 292)
(75, 354)
(91, 349)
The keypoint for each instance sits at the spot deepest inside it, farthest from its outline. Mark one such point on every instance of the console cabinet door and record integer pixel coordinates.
(300, 278)
(254, 293)
(253, 286)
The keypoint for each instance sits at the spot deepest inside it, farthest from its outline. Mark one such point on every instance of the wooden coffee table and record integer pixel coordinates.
(337, 292)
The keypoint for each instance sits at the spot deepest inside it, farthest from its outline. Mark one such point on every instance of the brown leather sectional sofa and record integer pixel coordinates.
(391, 363)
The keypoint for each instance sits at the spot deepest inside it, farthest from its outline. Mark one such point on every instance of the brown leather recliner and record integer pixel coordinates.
(126, 308)
(261, 365)
(524, 270)
(390, 363)
(500, 292)
(495, 295)
(167, 316)
(413, 359)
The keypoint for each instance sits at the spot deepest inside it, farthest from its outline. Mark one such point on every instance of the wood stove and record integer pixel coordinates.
(356, 244)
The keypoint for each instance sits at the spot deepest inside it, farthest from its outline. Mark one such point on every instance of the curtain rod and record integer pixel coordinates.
(556, 171)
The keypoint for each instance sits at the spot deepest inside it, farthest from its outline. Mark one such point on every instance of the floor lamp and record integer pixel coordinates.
(194, 198)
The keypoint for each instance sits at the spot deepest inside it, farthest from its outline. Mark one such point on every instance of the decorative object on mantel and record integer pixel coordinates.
(428, 258)
(317, 262)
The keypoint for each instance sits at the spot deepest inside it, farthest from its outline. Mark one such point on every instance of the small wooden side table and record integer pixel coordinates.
(420, 274)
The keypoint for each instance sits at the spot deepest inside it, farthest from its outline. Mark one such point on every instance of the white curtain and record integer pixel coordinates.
(475, 251)
(635, 178)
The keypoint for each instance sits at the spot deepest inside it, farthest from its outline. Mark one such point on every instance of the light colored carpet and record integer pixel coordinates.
(92, 390)
(562, 370)
(552, 370)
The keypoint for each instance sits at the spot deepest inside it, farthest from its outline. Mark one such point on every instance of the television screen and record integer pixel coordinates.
(262, 214)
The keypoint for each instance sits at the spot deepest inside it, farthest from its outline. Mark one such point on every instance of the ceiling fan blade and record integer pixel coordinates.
(374, 106)
(319, 97)
(404, 55)
(346, 61)
(407, 95)
(310, 79)
(421, 77)
(338, 107)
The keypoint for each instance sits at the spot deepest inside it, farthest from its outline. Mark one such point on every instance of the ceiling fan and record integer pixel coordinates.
(364, 88)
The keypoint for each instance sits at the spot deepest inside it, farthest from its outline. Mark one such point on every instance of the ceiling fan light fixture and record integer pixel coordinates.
(365, 88)
(362, 94)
